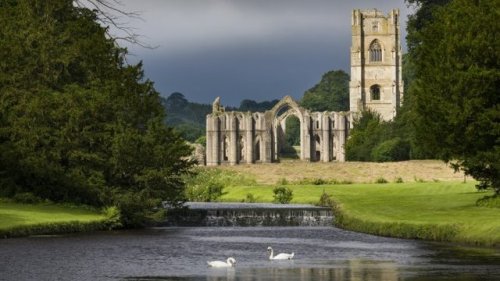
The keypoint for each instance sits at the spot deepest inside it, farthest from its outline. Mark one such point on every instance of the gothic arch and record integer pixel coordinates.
(375, 92)
(375, 51)
(279, 113)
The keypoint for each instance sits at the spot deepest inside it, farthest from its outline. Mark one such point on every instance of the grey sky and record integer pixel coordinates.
(245, 49)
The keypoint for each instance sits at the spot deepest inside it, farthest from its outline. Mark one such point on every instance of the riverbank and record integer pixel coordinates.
(439, 211)
(26, 219)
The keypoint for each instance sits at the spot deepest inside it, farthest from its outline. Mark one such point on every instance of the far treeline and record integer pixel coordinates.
(80, 125)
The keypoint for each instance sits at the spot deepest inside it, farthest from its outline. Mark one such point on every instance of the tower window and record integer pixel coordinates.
(375, 92)
(375, 51)
(375, 26)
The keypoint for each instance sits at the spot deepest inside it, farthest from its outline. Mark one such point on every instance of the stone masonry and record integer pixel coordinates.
(246, 137)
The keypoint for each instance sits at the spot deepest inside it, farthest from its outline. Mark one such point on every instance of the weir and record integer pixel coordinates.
(248, 214)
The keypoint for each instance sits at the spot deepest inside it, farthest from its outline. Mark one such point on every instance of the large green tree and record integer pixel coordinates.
(77, 123)
(455, 93)
(330, 94)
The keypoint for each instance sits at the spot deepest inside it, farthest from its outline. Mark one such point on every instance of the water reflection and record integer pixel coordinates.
(322, 253)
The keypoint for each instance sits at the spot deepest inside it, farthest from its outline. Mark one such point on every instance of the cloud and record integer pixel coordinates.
(185, 26)
(237, 49)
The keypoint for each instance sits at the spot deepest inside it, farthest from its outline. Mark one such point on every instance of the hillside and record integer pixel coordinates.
(356, 172)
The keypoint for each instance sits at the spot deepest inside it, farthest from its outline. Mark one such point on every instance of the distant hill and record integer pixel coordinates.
(189, 117)
(330, 93)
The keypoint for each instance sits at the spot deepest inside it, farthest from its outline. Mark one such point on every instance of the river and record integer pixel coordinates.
(181, 253)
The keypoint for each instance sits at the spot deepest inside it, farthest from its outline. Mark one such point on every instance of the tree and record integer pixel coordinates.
(417, 21)
(456, 91)
(176, 102)
(330, 94)
(78, 124)
(369, 130)
(253, 106)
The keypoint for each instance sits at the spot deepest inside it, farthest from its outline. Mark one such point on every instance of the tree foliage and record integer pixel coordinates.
(78, 124)
(282, 195)
(456, 92)
(330, 94)
(373, 139)
(254, 106)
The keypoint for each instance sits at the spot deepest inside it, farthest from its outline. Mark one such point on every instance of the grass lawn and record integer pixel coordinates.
(21, 219)
(432, 210)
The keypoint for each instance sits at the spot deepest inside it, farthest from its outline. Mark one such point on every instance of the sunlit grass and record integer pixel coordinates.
(434, 210)
(21, 219)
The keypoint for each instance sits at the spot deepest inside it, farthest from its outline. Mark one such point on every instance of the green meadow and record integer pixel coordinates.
(442, 211)
(29, 219)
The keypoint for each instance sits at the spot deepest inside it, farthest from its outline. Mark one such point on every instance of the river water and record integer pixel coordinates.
(181, 253)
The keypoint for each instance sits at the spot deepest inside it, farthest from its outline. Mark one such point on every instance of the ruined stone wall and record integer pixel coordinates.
(245, 137)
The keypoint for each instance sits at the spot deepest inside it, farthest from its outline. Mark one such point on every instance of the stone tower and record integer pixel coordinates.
(376, 82)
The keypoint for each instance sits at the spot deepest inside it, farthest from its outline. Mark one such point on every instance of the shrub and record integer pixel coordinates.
(418, 179)
(208, 192)
(489, 201)
(27, 198)
(398, 180)
(282, 194)
(319, 181)
(208, 185)
(325, 200)
(283, 181)
(381, 180)
(250, 198)
(346, 182)
(394, 149)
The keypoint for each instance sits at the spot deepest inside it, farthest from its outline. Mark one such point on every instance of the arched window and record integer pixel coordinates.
(375, 51)
(375, 92)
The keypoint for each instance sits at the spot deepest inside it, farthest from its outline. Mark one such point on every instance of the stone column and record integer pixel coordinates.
(266, 148)
(325, 145)
(341, 138)
(233, 140)
(249, 137)
(213, 141)
(306, 138)
(209, 132)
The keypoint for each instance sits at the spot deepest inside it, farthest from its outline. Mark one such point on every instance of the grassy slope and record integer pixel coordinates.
(21, 219)
(358, 172)
(436, 210)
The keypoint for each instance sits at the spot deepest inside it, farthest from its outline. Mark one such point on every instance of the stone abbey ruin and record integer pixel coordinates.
(258, 137)
(246, 137)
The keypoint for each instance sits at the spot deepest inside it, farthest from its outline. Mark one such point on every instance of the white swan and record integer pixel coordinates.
(281, 256)
(229, 263)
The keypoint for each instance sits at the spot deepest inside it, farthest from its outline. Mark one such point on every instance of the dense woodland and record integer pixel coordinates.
(80, 125)
(77, 123)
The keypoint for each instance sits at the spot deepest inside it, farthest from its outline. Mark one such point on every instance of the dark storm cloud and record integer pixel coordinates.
(246, 49)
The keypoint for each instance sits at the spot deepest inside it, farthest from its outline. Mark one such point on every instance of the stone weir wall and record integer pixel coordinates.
(246, 137)
(249, 214)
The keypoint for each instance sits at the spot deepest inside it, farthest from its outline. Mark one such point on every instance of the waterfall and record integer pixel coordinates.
(248, 214)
